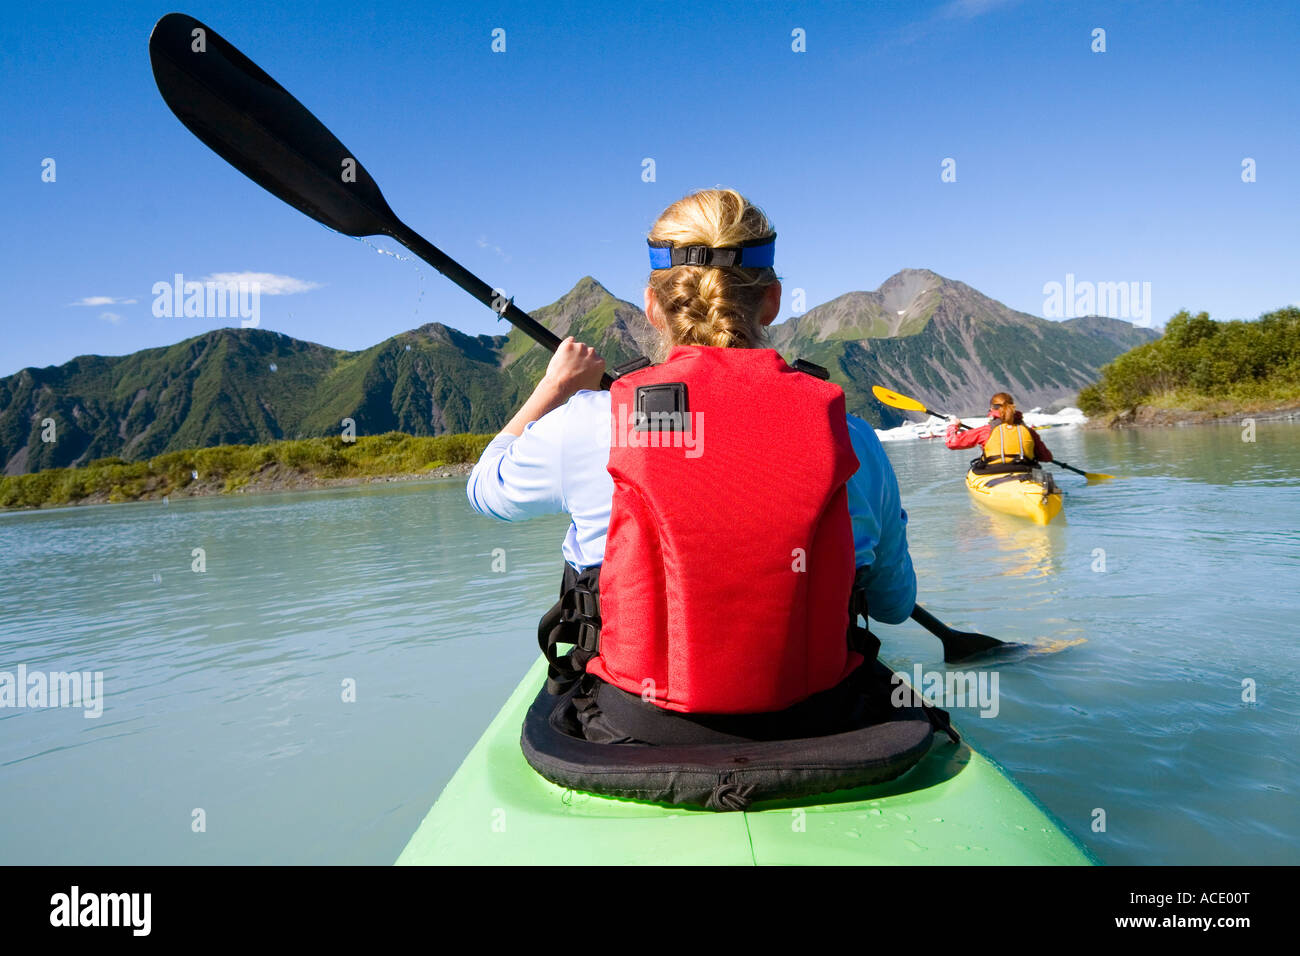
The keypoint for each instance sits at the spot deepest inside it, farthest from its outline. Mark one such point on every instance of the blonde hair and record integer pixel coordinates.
(712, 305)
(1008, 410)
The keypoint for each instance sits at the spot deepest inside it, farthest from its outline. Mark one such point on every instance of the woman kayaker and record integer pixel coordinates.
(1006, 437)
(720, 503)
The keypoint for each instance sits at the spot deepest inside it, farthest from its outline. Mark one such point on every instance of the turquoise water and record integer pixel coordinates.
(224, 689)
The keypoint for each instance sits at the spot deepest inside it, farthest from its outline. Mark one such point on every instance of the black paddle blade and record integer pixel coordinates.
(253, 123)
(957, 645)
(968, 644)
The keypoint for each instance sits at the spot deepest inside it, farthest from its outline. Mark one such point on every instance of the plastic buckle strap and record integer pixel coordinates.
(811, 368)
(705, 256)
(588, 637)
(579, 602)
(628, 367)
(751, 254)
(562, 669)
(555, 628)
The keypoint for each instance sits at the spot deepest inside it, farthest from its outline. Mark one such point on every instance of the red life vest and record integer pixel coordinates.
(729, 558)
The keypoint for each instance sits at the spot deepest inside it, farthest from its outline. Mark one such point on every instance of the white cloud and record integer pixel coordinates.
(110, 317)
(266, 283)
(99, 300)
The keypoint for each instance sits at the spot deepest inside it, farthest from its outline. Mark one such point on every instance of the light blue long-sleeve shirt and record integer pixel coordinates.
(559, 465)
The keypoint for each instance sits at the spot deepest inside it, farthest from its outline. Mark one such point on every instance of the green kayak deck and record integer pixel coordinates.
(954, 807)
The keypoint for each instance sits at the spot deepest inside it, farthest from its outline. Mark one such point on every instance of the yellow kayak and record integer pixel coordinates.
(1031, 495)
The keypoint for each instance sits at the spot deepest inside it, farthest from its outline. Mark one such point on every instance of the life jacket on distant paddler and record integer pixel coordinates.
(1009, 443)
(728, 579)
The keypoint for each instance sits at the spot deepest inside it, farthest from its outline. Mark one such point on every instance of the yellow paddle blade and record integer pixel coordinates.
(894, 400)
(1095, 476)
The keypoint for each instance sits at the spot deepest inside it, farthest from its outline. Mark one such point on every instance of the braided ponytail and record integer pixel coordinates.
(712, 305)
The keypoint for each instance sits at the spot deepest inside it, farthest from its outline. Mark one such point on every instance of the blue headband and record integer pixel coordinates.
(753, 254)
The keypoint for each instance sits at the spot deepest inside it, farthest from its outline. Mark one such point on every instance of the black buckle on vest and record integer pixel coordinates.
(811, 368)
(661, 407)
(630, 366)
(588, 637)
(581, 602)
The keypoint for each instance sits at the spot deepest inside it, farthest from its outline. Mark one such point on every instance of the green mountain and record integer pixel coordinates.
(918, 333)
(240, 386)
(950, 346)
(618, 330)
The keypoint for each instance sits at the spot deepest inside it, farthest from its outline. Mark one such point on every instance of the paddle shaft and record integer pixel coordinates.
(956, 644)
(927, 620)
(1077, 471)
(479, 289)
(960, 426)
(931, 623)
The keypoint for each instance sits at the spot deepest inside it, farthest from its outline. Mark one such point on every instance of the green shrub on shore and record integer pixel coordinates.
(1199, 362)
(234, 466)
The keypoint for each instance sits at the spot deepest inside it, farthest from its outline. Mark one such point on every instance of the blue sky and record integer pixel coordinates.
(526, 166)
